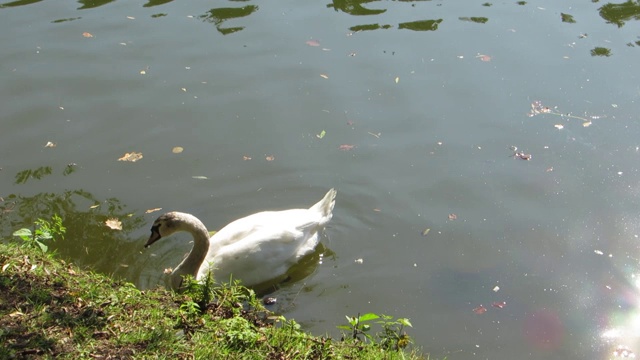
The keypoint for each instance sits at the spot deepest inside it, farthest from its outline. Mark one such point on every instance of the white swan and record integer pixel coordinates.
(254, 249)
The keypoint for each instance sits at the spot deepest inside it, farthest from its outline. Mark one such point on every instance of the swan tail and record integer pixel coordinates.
(325, 206)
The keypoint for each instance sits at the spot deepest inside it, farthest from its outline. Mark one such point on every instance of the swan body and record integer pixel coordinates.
(255, 249)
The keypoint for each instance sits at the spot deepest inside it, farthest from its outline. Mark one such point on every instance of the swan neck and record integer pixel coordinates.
(191, 265)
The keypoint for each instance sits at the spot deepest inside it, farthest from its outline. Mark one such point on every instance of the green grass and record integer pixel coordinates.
(51, 309)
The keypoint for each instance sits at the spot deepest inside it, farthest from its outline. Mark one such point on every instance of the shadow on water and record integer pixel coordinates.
(88, 241)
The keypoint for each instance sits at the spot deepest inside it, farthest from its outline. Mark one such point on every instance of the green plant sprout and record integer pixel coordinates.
(392, 336)
(43, 231)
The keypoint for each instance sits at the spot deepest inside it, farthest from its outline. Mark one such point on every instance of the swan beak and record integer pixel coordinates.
(155, 236)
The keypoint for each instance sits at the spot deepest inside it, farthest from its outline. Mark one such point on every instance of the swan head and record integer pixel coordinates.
(164, 226)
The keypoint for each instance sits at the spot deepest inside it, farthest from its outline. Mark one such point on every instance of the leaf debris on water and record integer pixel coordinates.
(113, 223)
(245, 157)
(499, 304)
(149, 211)
(346, 147)
(87, 34)
(270, 158)
(324, 76)
(312, 42)
(132, 157)
(453, 217)
(50, 144)
(321, 135)
(177, 150)
(480, 310)
(199, 177)
(425, 231)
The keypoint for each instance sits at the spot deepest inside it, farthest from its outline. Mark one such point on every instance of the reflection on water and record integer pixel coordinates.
(620, 13)
(19, 3)
(93, 4)
(354, 7)
(218, 16)
(88, 241)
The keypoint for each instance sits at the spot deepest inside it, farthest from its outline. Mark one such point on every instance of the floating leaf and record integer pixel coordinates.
(245, 157)
(152, 210)
(480, 310)
(87, 34)
(94, 206)
(132, 156)
(324, 76)
(558, 126)
(199, 177)
(499, 304)
(270, 158)
(496, 288)
(177, 150)
(453, 216)
(312, 42)
(321, 135)
(485, 58)
(113, 223)
(50, 144)
(346, 147)
(397, 79)
(425, 231)
(586, 123)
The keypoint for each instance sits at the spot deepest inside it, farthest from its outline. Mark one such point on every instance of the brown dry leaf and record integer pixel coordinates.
(346, 147)
(270, 158)
(453, 216)
(480, 310)
(114, 224)
(87, 34)
(50, 144)
(168, 270)
(499, 304)
(152, 210)
(313, 42)
(132, 156)
(177, 150)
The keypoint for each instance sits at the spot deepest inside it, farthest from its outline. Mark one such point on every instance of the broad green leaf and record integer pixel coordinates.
(22, 233)
(368, 317)
(42, 246)
(405, 322)
(344, 327)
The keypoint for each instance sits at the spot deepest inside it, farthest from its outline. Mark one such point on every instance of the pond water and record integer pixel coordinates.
(422, 114)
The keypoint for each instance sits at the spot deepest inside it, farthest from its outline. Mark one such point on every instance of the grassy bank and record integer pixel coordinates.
(49, 308)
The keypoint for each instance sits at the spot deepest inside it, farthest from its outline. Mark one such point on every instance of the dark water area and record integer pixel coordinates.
(485, 154)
